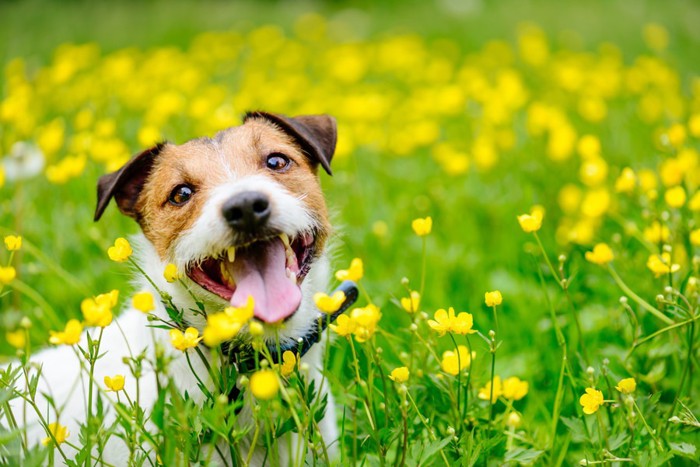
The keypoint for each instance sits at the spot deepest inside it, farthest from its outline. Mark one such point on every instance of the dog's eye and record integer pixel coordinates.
(278, 162)
(180, 195)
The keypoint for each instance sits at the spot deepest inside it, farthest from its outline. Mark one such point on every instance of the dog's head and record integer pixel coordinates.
(242, 213)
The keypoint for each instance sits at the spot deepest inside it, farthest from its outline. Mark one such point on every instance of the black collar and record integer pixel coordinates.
(243, 355)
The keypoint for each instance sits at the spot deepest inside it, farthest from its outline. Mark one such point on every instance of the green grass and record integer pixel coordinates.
(476, 244)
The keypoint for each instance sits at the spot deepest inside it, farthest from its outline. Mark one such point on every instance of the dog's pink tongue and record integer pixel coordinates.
(260, 272)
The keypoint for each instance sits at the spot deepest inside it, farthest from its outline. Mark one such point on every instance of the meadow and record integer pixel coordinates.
(553, 147)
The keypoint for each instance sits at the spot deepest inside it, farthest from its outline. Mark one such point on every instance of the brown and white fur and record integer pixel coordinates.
(196, 235)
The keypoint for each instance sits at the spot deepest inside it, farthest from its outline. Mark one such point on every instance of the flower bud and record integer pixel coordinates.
(25, 323)
(264, 363)
(513, 420)
(413, 327)
(674, 419)
(404, 281)
(450, 431)
(623, 300)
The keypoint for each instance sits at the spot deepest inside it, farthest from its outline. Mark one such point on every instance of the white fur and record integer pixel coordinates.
(65, 381)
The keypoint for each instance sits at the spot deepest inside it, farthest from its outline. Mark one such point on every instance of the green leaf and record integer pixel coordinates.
(576, 428)
(433, 448)
(684, 449)
(523, 456)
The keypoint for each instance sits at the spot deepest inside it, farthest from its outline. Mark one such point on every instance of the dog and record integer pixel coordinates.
(240, 214)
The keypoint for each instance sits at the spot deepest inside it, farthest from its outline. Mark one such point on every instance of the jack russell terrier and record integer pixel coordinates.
(242, 214)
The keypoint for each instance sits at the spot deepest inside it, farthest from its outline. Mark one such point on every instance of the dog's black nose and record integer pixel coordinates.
(247, 211)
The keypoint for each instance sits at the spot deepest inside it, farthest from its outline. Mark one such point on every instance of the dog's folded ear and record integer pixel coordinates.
(316, 134)
(125, 184)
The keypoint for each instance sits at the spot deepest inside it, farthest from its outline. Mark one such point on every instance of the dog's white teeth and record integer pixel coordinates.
(285, 239)
(231, 253)
(226, 275)
(291, 276)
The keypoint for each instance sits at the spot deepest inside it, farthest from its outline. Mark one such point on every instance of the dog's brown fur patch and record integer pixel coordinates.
(207, 163)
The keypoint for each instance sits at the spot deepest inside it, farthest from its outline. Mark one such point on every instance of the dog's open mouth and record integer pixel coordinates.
(270, 270)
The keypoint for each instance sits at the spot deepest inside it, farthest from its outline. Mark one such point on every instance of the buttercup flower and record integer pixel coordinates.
(17, 339)
(531, 222)
(365, 320)
(13, 242)
(59, 432)
(675, 197)
(255, 328)
(7, 274)
(98, 311)
(289, 361)
(329, 303)
(656, 233)
(493, 298)
(242, 314)
(114, 383)
(661, 264)
(695, 237)
(344, 326)
(485, 392)
(446, 321)
(121, 250)
(626, 386)
(69, 336)
(591, 401)
(514, 388)
(171, 273)
(264, 384)
(399, 375)
(411, 303)
(143, 301)
(185, 341)
(453, 362)
(220, 328)
(601, 254)
(422, 227)
(442, 321)
(626, 182)
(694, 203)
(353, 273)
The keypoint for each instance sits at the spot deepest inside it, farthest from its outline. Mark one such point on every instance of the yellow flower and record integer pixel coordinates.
(171, 273)
(143, 301)
(626, 386)
(422, 227)
(675, 197)
(242, 314)
(69, 336)
(695, 237)
(344, 326)
(365, 320)
(532, 222)
(353, 273)
(98, 311)
(329, 304)
(59, 432)
(7, 274)
(661, 264)
(463, 323)
(184, 341)
(656, 233)
(289, 361)
(454, 362)
(442, 321)
(514, 388)
(17, 339)
(601, 254)
(121, 250)
(591, 401)
(13, 242)
(256, 328)
(694, 204)
(220, 327)
(485, 392)
(514, 420)
(399, 375)
(493, 298)
(411, 304)
(446, 321)
(115, 383)
(626, 182)
(2, 176)
(264, 384)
